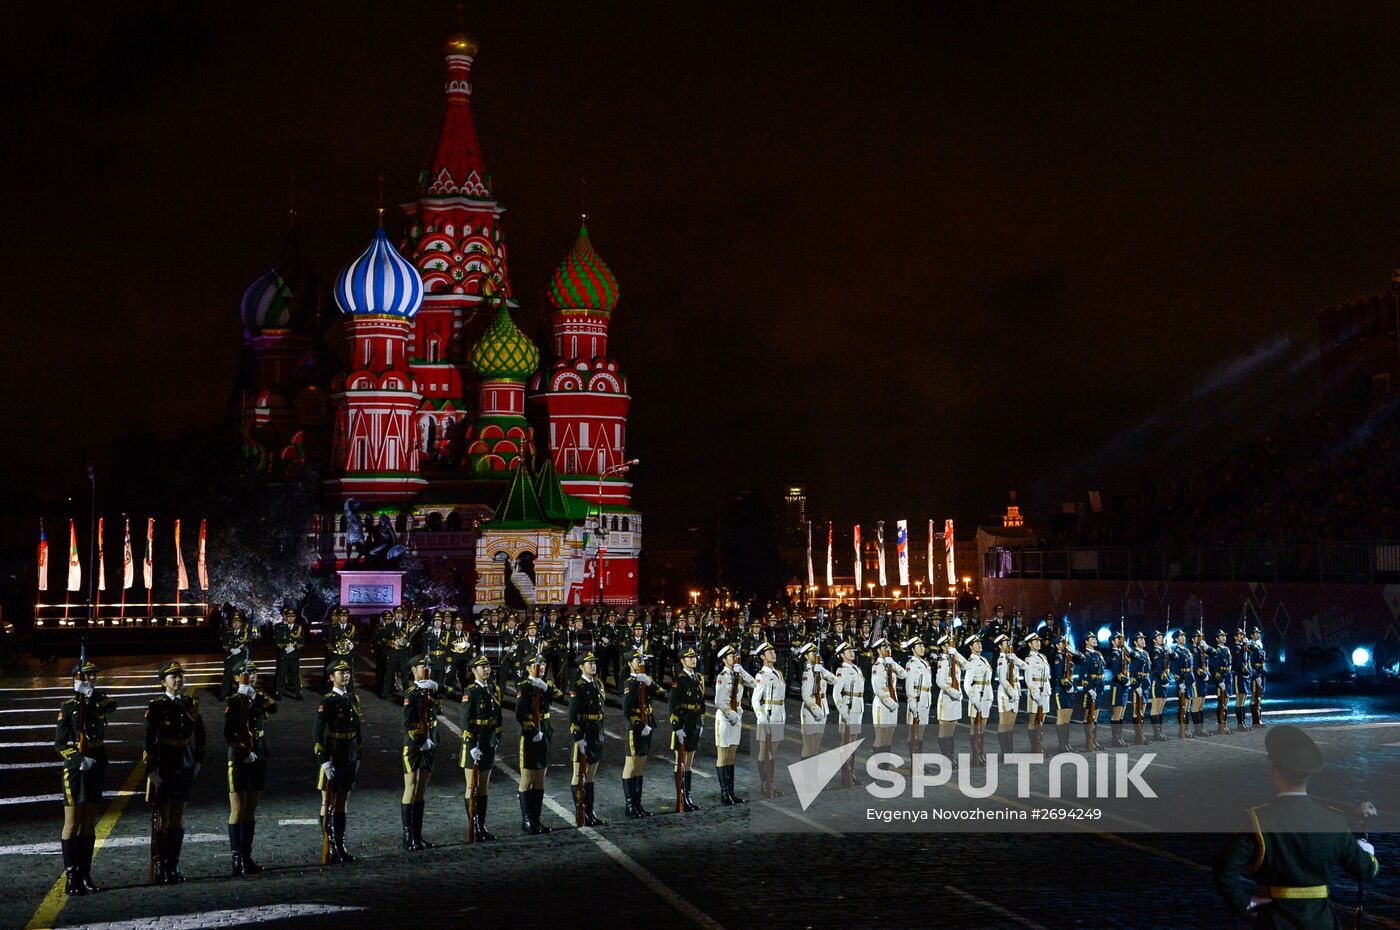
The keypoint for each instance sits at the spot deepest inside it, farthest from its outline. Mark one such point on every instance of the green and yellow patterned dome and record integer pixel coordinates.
(503, 353)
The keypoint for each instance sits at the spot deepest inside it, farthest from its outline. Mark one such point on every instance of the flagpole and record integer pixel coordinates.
(92, 546)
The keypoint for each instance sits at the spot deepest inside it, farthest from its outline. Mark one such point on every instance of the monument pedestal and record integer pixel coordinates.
(370, 592)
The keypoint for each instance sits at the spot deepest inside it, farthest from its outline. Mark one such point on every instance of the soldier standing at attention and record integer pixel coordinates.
(1121, 688)
(340, 647)
(1240, 657)
(435, 644)
(885, 675)
(849, 696)
(1222, 679)
(977, 685)
(918, 692)
(729, 719)
(770, 713)
(288, 635)
(1062, 674)
(1258, 655)
(421, 706)
(532, 713)
(949, 696)
(80, 738)
(235, 643)
(245, 732)
(1093, 675)
(1008, 691)
(1036, 673)
(815, 705)
(1160, 678)
(586, 727)
(687, 720)
(637, 690)
(481, 733)
(339, 739)
(1290, 845)
(174, 752)
(1203, 653)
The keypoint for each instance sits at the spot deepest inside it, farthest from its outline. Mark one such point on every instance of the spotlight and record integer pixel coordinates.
(1362, 656)
(1105, 634)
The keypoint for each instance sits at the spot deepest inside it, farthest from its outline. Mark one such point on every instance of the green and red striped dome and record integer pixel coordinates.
(583, 281)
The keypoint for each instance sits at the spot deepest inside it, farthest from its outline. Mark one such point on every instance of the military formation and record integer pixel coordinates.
(944, 669)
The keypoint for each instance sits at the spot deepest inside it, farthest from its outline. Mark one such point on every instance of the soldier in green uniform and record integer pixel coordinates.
(1290, 845)
(637, 690)
(80, 738)
(457, 674)
(687, 720)
(338, 739)
(532, 713)
(398, 643)
(481, 732)
(421, 706)
(173, 754)
(340, 646)
(586, 727)
(435, 644)
(245, 732)
(235, 643)
(288, 635)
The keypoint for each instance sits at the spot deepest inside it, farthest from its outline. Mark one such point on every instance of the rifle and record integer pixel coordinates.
(471, 806)
(579, 790)
(155, 829)
(680, 775)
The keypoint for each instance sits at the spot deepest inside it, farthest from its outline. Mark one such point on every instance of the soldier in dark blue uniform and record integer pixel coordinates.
(1290, 846)
(1257, 657)
(338, 741)
(532, 712)
(422, 703)
(637, 692)
(245, 732)
(1203, 651)
(586, 727)
(80, 739)
(1222, 681)
(481, 733)
(687, 720)
(1140, 681)
(1120, 688)
(1094, 672)
(1159, 684)
(1239, 667)
(1181, 662)
(1062, 660)
(174, 752)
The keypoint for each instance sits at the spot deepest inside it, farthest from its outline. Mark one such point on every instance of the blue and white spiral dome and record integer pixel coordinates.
(380, 281)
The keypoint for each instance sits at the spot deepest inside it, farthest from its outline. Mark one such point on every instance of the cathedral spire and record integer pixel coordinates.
(456, 168)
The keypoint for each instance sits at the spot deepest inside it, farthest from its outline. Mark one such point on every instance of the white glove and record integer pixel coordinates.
(539, 683)
(247, 691)
(328, 769)
(1366, 847)
(644, 679)
(235, 650)
(732, 718)
(427, 684)
(680, 735)
(83, 687)
(476, 755)
(428, 744)
(539, 735)
(583, 746)
(251, 757)
(88, 762)
(1256, 903)
(290, 649)
(646, 730)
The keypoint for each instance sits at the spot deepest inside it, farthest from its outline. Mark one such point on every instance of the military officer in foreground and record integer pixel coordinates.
(532, 712)
(288, 636)
(481, 733)
(338, 741)
(422, 703)
(245, 732)
(687, 720)
(1290, 845)
(586, 727)
(80, 738)
(174, 752)
(729, 719)
(637, 692)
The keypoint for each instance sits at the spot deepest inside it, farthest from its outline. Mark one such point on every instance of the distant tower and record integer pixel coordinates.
(795, 505)
(501, 438)
(373, 454)
(1012, 517)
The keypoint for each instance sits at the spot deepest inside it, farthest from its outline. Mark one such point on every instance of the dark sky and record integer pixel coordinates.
(910, 261)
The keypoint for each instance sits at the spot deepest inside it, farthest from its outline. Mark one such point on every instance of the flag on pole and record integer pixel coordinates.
(828, 556)
(148, 565)
(203, 566)
(858, 559)
(43, 558)
(182, 578)
(931, 585)
(75, 568)
(948, 548)
(880, 550)
(811, 576)
(901, 546)
(128, 567)
(101, 559)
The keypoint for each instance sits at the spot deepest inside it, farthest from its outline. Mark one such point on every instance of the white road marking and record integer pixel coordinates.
(50, 798)
(58, 764)
(1305, 710)
(151, 688)
(50, 710)
(229, 917)
(48, 743)
(821, 827)
(49, 726)
(300, 822)
(1357, 726)
(53, 849)
(995, 908)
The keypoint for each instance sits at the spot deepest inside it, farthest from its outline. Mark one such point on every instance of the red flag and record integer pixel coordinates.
(43, 558)
(128, 568)
(182, 578)
(932, 585)
(101, 559)
(148, 565)
(948, 544)
(858, 565)
(203, 567)
(75, 569)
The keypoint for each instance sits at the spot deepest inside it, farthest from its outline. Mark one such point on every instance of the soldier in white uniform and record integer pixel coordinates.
(1036, 672)
(770, 713)
(816, 704)
(729, 719)
(1009, 669)
(885, 675)
(918, 692)
(950, 695)
(849, 696)
(977, 685)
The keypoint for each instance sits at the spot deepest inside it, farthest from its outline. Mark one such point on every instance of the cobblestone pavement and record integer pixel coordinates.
(708, 868)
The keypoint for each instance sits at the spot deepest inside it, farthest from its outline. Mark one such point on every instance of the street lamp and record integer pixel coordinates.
(617, 469)
(870, 590)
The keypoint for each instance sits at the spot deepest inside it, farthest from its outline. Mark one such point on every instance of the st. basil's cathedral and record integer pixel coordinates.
(423, 401)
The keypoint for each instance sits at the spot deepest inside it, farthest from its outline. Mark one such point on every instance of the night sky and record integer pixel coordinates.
(912, 263)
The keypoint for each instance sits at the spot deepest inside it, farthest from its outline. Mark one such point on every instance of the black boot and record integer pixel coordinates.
(86, 845)
(537, 811)
(1062, 735)
(1116, 728)
(174, 842)
(406, 818)
(1198, 719)
(338, 834)
(526, 821)
(685, 794)
(249, 866)
(481, 832)
(1004, 743)
(328, 854)
(726, 794)
(1239, 719)
(235, 845)
(629, 806)
(589, 820)
(418, 823)
(72, 883)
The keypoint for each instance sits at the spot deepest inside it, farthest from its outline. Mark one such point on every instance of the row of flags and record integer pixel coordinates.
(148, 568)
(901, 552)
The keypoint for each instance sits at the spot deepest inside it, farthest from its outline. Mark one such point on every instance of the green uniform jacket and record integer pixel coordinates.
(288, 634)
(245, 724)
(481, 717)
(174, 735)
(73, 741)
(337, 729)
(1292, 844)
(636, 707)
(688, 702)
(340, 639)
(420, 715)
(586, 715)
